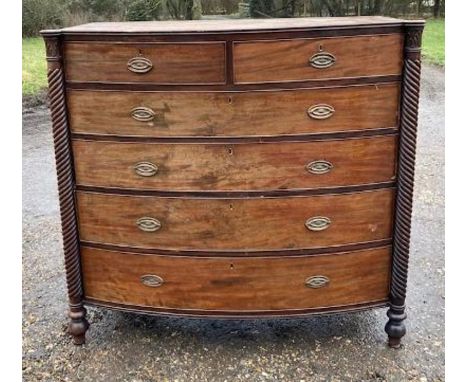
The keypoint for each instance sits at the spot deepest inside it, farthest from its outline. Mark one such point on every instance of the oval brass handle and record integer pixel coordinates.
(148, 224)
(142, 114)
(321, 111)
(319, 167)
(146, 169)
(315, 282)
(322, 60)
(317, 223)
(139, 65)
(152, 281)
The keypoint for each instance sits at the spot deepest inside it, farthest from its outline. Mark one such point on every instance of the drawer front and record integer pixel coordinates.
(287, 112)
(158, 63)
(253, 224)
(237, 284)
(269, 166)
(317, 59)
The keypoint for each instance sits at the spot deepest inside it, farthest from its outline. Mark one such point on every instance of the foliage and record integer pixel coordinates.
(220, 7)
(433, 42)
(46, 14)
(104, 9)
(142, 10)
(34, 66)
(41, 14)
(290, 8)
(261, 8)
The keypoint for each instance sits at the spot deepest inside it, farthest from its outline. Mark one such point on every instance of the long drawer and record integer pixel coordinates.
(158, 63)
(234, 167)
(317, 58)
(253, 224)
(266, 113)
(237, 284)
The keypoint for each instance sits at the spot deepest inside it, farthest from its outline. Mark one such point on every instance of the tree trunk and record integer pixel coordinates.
(196, 10)
(377, 7)
(418, 9)
(436, 9)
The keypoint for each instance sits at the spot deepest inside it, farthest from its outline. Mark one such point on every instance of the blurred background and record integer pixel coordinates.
(40, 14)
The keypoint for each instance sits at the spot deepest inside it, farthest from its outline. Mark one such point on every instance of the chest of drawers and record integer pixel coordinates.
(244, 168)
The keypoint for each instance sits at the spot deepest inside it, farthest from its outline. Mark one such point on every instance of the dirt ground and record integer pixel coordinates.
(127, 347)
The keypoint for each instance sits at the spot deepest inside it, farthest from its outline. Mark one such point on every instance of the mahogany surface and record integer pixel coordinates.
(184, 153)
(272, 113)
(232, 167)
(255, 224)
(182, 63)
(288, 60)
(237, 284)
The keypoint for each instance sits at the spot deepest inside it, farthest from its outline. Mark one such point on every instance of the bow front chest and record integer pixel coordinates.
(243, 168)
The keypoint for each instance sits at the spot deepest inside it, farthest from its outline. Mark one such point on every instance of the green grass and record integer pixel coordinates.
(34, 66)
(433, 43)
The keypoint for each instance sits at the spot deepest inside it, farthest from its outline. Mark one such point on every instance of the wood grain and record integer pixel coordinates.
(222, 167)
(235, 224)
(176, 63)
(234, 113)
(254, 25)
(288, 60)
(237, 284)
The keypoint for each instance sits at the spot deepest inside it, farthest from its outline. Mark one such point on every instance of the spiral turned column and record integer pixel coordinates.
(66, 186)
(395, 326)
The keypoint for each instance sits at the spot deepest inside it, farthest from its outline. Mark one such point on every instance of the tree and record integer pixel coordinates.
(196, 10)
(436, 9)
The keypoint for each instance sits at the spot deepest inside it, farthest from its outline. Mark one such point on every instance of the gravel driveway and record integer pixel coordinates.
(126, 347)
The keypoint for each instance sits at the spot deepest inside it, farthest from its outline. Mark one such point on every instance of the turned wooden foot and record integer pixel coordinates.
(395, 327)
(78, 324)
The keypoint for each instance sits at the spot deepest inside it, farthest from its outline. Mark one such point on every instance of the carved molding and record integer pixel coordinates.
(52, 48)
(406, 164)
(413, 38)
(66, 185)
(395, 327)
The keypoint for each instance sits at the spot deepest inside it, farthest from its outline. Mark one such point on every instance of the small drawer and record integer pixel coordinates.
(252, 113)
(235, 167)
(156, 63)
(230, 284)
(222, 224)
(317, 58)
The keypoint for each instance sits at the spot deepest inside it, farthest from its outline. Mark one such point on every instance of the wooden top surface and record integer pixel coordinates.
(230, 25)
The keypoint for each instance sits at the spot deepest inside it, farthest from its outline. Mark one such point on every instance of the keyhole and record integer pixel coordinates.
(231, 266)
(229, 100)
(140, 52)
(320, 47)
(230, 151)
(231, 207)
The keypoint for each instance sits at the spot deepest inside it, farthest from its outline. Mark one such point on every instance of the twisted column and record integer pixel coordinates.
(66, 187)
(395, 327)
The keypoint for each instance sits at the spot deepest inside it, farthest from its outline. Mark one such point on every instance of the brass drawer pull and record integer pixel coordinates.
(152, 281)
(148, 224)
(146, 169)
(322, 60)
(321, 111)
(315, 282)
(142, 114)
(317, 223)
(139, 65)
(319, 167)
